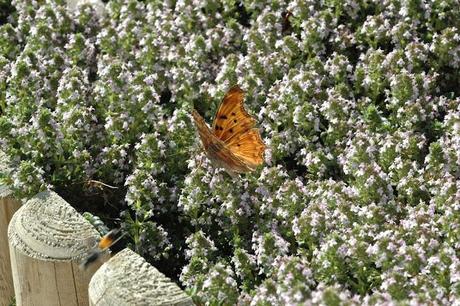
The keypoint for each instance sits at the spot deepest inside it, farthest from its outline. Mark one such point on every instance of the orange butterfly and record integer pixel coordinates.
(233, 143)
(99, 248)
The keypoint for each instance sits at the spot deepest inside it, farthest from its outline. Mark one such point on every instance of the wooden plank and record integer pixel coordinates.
(8, 206)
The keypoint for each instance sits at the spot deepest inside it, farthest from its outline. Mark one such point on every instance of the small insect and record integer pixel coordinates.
(103, 245)
(233, 143)
(98, 185)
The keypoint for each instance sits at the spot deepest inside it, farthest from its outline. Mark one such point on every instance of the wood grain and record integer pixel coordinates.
(8, 206)
(127, 279)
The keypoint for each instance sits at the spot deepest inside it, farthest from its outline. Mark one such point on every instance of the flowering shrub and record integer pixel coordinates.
(358, 103)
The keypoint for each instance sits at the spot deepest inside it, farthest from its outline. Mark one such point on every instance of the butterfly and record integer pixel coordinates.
(103, 245)
(232, 143)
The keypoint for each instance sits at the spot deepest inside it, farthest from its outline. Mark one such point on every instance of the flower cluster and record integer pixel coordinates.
(358, 104)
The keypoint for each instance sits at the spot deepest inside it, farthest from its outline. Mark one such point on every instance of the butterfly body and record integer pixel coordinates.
(233, 143)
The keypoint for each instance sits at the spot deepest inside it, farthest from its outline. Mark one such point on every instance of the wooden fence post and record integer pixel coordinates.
(8, 206)
(47, 239)
(127, 279)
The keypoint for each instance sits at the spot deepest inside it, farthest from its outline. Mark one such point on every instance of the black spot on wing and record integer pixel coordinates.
(223, 117)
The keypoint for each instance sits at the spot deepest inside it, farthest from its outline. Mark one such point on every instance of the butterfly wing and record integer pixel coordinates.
(234, 127)
(231, 117)
(224, 158)
(203, 130)
(248, 147)
(232, 143)
(216, 150)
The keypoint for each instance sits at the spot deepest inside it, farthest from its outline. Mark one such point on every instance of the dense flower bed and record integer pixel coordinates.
(358, 103)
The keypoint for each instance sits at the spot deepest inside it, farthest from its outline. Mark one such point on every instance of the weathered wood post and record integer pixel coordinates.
(47, 239)
(127, 279)
(8, 206)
